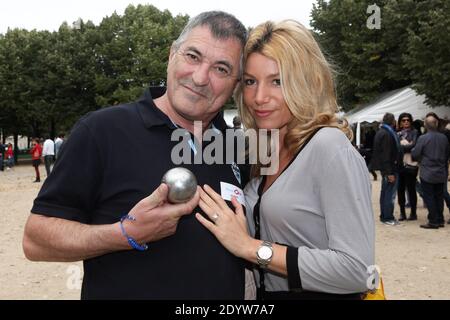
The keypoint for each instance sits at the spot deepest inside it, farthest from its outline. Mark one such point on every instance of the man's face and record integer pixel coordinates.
(202, 74)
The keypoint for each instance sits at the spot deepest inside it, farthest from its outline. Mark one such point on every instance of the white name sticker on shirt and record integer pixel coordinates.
(228, 190)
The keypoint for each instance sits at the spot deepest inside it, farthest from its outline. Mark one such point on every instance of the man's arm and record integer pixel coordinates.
(55, 239)
(416, 152)
(385, 155)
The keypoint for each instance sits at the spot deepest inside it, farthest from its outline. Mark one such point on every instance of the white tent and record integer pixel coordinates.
(228, 115)
(395, 102)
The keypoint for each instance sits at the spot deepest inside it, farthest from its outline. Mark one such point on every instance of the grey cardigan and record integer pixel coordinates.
(320, 206)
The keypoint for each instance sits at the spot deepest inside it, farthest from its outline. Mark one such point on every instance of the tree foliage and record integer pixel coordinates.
(49, 79)
(410, 48)
(428, 51)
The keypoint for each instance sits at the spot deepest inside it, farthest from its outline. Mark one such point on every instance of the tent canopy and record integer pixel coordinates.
(228, 115)
(395, 102)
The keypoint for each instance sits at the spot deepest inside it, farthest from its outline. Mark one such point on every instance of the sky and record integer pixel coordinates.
(49, 14)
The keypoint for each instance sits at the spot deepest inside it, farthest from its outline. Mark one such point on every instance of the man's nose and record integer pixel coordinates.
(200, 76)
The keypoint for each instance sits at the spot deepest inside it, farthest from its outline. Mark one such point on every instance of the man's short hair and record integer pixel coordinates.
(389, 118)
(221, 24)
(432, 114)
(431, 123)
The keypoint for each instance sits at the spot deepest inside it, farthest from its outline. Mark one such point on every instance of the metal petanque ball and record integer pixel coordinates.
(182, 184)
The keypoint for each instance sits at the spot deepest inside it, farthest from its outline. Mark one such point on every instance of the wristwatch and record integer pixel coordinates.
(264, 254)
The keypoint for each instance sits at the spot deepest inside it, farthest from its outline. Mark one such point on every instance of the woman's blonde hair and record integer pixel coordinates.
(306, 80)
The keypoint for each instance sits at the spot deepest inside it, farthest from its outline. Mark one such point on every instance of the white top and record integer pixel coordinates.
(49, 148)
(321, 204)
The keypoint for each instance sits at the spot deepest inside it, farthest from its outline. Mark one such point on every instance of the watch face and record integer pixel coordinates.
(265, 252)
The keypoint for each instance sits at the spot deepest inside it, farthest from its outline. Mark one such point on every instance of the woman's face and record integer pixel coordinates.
(405, 123)
(262, 93)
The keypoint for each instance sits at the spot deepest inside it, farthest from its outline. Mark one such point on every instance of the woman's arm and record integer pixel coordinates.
(344, 197)
(408, 147)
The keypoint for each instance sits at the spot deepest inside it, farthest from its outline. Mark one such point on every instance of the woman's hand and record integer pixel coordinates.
(231, 230)
(228, 227)
(404, 142)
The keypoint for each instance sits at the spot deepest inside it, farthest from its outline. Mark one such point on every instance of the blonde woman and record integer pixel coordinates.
(308, 228)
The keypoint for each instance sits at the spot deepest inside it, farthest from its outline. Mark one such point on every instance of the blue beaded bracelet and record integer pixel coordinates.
(131, 241)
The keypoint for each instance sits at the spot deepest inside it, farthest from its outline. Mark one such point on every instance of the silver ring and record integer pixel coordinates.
(215, 216)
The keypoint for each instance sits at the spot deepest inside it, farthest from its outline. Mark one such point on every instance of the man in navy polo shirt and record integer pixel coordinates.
(159, 250)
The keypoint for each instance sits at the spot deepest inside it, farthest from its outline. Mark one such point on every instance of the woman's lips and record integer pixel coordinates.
(262, 114)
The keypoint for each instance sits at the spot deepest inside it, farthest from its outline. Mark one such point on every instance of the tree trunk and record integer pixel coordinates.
(16, 147)
(36, 130)
(52, 129)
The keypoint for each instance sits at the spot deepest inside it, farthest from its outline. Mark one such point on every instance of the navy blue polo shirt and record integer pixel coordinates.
(113, 158)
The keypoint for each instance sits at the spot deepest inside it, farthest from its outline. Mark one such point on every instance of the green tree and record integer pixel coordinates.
(49, 79)
(428, 55)
(410, 48)
(360, 54)
(70, 77)
(133, 52)
(18, 82)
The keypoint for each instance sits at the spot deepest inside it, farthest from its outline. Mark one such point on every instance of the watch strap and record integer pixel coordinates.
(263, 263)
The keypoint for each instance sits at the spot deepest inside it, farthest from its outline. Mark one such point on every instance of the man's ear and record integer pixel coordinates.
(172, 51)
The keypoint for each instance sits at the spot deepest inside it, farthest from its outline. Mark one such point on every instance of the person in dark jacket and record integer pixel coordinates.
(369, 139)
(2, 152)
(409, 169)
(387, 158)
(446, 132)
(432, 151)
(443, 128)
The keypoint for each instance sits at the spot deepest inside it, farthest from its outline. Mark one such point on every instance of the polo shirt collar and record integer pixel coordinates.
(152, 116)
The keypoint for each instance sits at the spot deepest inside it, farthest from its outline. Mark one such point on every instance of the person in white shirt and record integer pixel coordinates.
(48, 153)
(58, 142)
